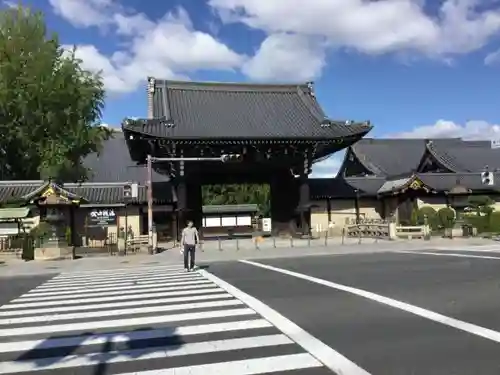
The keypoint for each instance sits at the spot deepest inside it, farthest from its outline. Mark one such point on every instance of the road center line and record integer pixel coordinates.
(447, 254)
(322, 352)
(424, 313)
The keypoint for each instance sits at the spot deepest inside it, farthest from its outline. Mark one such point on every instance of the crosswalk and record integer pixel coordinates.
(144, 321)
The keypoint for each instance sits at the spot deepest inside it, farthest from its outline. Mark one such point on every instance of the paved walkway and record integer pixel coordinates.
(230, 251)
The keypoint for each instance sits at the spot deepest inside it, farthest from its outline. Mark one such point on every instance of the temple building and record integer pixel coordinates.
(389, 178)
(279, 131)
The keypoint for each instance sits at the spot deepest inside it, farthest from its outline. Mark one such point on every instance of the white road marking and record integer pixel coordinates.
(35, 293)
(256, 366)
(480, 248)
(113, 305)
(446, 254)
(179, 276)
(116, 276)
(121, 356)
(130, 311)
(424, 313)
(115, 271)
(103, 338)
(322, 352)
(153, 288)
(69, 327)
(120, 297)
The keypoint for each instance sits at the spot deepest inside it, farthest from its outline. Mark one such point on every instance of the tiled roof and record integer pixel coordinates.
(239, 111)
(395, 157)
(321, 188)
(114, 164)
(95, 193)
(446, 181)
(466, 156)
(372, 186)
(230, 208)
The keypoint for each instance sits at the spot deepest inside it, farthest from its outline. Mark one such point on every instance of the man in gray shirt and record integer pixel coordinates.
(189, 239)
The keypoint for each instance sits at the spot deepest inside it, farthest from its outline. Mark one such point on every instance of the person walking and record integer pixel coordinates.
(189, 240)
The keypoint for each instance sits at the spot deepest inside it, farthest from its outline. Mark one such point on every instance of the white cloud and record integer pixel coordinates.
(371, 27)
(285, 56)
(474, 129)
(169, 48)
(329, 167)
(492, 58)
(298, 35)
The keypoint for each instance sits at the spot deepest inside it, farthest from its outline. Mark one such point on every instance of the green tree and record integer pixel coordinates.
(481, 204)
(49, 105)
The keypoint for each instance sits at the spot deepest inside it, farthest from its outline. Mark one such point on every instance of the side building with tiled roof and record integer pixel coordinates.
(111, 172)
(389, 178)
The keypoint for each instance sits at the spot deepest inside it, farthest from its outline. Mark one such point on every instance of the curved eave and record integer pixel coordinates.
(355, 132)
(440, 158)
(338, 144)
(365, 162)
(408, 186)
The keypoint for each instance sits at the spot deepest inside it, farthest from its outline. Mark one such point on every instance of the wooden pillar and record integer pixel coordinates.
(284, 199)
(304, 198)
(356, 206)
(329, 209)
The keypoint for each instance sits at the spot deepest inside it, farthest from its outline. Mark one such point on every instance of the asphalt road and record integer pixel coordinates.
(13, 287)
(159, 317)
(382, 339)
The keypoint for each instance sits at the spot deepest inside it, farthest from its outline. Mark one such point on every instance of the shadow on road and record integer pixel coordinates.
(99, 349)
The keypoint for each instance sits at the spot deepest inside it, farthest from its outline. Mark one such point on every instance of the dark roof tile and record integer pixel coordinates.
(465, 156)
(114, 164)
(95, 193)
(394, 157)
(244, 111)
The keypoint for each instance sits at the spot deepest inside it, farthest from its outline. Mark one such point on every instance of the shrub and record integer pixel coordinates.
(446, 217)
(427, 212)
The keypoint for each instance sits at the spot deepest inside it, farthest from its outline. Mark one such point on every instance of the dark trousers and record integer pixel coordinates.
(189, 251)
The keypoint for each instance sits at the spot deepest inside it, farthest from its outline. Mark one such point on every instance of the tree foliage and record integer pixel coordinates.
(239, 194)
(49, 105)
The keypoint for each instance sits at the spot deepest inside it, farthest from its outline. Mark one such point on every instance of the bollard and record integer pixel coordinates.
(291, 241)
(309, 240)
(201, 247)
(237, 244)
(219, 243)
(343, 235)
(359, 235)
(326, 238)
(274, 242)
(256, 244)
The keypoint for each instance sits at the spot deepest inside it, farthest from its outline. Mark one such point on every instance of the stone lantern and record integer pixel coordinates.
(458, 199)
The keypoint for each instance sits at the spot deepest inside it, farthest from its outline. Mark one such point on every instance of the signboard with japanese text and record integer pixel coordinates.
(102, 217)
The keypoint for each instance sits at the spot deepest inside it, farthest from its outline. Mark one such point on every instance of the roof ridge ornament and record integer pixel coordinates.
(310, 87)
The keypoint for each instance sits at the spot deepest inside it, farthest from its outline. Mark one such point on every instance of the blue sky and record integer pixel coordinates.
(413, 67)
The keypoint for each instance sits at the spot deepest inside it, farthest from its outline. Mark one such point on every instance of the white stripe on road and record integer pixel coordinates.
(92, 359)
(447, 254)
(108, 313)
(329, 357)
(181, 275)
(35, 293)
(122, 283)
(424, 313)
(103, 324)
(113, 305)
(485, 248)
(256, 366)
(113, 337)
(119, 297)
(117, 276)
(153, 288)
(117, 271)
